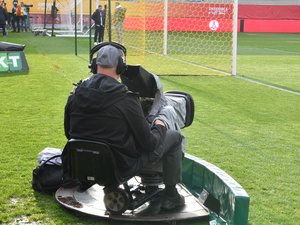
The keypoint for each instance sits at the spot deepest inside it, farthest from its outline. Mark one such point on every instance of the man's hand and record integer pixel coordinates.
(159, 122)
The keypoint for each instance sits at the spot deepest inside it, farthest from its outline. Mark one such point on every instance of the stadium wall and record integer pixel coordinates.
(269, 18)
(269, 2)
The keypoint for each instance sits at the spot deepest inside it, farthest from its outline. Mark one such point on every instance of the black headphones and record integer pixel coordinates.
(121, 67)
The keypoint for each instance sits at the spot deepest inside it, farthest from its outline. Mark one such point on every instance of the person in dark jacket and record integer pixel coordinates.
(3, 19)
(101, 108)
(14, 16)
(99, 19)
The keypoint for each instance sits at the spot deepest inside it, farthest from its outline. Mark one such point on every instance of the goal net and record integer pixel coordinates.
(181, 37)
(65, 21)
(167, 37)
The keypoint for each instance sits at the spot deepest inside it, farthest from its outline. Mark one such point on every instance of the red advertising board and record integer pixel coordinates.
(282, 26)
(180, 24)
(197, 17)
(270, 18)
(185, 17)
(269, 12)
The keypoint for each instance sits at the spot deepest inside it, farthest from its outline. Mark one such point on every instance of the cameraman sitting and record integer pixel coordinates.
(102, 109)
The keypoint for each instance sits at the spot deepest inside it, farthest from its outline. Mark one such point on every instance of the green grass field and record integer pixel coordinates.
(250, 131)
(270, 58)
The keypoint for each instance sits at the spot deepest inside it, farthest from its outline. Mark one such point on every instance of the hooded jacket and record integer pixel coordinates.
(102, 109)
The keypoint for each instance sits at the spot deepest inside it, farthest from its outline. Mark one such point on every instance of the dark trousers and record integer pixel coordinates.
(18, 20)
(170, 157)
(13, 22)
(24, 23)
(99, 33)
(3, 26)
(9, 19)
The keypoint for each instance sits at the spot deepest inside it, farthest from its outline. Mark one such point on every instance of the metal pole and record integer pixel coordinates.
(109, 20)
(45, 14)
(165, 27)
(81, 16)
(90, 32)
(53, 14)
(234, 37)
(75, 27)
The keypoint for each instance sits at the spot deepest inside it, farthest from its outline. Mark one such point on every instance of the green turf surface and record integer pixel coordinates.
(270, 58)
(248, 130)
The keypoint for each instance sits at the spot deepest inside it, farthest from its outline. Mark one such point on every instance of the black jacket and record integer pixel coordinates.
(97, 19)
(102, 109)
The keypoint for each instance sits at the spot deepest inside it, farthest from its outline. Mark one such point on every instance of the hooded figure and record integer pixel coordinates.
(101, 108)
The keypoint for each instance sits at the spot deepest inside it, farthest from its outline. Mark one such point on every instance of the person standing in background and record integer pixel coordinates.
(9, 6)
(19, 15)
(14, 17)
(3, 18)
(24, 18)
(118, 20)
(99, 19)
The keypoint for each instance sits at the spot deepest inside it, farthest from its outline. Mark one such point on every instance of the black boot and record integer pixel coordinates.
(171, 198)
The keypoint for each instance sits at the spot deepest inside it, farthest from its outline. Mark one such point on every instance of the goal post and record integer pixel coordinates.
(234, 38)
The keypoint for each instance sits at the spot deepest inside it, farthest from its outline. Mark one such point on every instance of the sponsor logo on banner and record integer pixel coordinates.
(13, 61)
(214, 25)
(218, 11)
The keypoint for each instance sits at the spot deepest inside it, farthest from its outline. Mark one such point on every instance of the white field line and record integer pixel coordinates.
(283, 51)
(268, 85)
(275, 50)
(183, 61)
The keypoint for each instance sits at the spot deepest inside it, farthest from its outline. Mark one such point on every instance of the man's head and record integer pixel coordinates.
(100, 7)
(110, 59)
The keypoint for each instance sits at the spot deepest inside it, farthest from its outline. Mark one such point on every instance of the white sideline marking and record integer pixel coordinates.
(194, 64)
(272, 49)
(268, 85)
(283, 51)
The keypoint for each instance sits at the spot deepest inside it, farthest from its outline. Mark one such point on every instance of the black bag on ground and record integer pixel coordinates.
(47, 177)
